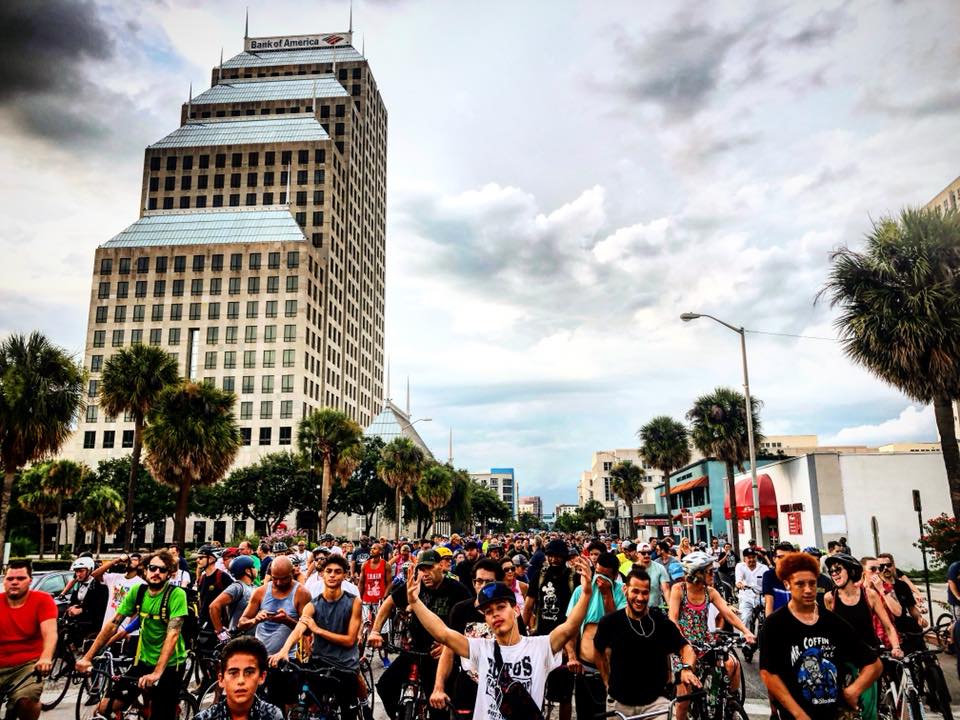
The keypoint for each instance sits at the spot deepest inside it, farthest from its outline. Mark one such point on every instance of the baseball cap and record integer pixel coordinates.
(231, 552)
(428, 558)
(492, 592)
(444, 552)
(629, 546)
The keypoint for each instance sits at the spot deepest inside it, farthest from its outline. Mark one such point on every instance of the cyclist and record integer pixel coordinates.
(634, 643)
(440, 594)
(181, 576)
(274, 609)
(161, 654)
(872, 579)
(727, 561)
(211, 582)
(690, 602)
(669, 561)
(263, 552)
(464, 569)
(374, 576)
(910, 622)
(359, 556)
(28, 639)
(509, 666)
(88, 601)
(334, 619)
(120, 575)
(749, 579)
(802, 648)
(243, 669)
(233, 601)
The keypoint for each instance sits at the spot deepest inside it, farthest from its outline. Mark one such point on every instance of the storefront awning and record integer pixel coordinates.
(701, 481)
(744, 489)
(702, 514)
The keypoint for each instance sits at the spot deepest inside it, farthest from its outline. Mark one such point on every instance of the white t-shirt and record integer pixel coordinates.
(315, 586)
(118, 585)
(528, 662)
(752, 579)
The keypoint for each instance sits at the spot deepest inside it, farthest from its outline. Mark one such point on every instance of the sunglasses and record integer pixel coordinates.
(481, 581)
(835, 570)
(885, 566)
(509, 569)
(157, 568)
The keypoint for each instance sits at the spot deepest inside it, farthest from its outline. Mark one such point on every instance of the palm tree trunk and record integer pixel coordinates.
(42, 523)
(325, 493)
(134, 471)
(56, 542)
(943, 411)
(630, 531)
(399, 511)
(734, 518)
(666, 490)
(8, 478)
(100, 542)
(180, 517)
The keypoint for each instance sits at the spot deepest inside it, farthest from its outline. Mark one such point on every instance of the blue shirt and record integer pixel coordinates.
(773, 586)
(953, 573)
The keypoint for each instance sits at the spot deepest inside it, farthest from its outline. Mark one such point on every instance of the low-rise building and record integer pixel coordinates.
(531, 504)
(502, 482)
(565, 509)
(595, 484)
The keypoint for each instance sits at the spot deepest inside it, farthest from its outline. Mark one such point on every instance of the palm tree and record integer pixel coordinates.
(401, 464)
(192, 437)
(101, 510)
(64, 480)
(131, 381)
(330, 437)
(626, 480)
(719, 430)
(435, 489)
(899, 302)
(665, 445)
(41, 396)
(35, 498)
(592, 512)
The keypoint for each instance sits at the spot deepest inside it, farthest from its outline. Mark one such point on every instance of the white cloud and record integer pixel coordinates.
(915, 423)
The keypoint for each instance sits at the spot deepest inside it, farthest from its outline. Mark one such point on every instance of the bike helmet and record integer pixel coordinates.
(326, 537)
(696, 562)
(852, 565)
(815, 551)
(295, 561)
(280, 547)
(206, 551)
(239, 566)
(83, 563)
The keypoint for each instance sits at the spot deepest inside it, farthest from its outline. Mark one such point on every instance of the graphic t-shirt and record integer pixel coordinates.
(440, 600)
(810, 659)
(638, 649)
(360, 556)
(374, 581)
(118, 585)
(528, 662)
(20, 639)
(152, 629)
(552, 594)
(773, 586)
(466, 619)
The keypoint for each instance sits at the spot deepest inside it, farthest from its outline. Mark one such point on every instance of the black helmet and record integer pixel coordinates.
(279, 547)
(557, 547)
(492, 592)
(206, 551)
(326, 537)
(852, 565)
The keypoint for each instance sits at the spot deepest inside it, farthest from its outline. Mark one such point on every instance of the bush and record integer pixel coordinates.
(941, 538)
(21, 546)
(238, 538)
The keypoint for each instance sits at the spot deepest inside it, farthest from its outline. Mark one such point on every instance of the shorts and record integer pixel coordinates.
(13, 675)
(660, 705)
(559, 685)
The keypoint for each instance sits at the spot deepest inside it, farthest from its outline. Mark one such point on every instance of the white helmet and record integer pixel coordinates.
(696, 562)
(83, 563)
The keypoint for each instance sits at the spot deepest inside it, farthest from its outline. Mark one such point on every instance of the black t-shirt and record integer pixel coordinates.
(360, 556)
(439, 600)
(208, 588)
(552, 593)
(811, 659)
(906, 623)
(728, 562)
(464, 571)
(824, 586)
(638, 649)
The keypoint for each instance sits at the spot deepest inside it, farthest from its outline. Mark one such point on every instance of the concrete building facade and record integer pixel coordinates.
(531, 504)
(502, 482)
(595, 484)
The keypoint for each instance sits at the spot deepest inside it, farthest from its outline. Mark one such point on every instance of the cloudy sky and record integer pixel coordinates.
(565, 178)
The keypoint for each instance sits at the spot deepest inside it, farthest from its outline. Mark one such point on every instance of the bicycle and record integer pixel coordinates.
(112, 673)
(5, 695)
(61, 673)
(310, 705)
(549, 705)
(414, 700)
(718, 701)
(908, 680)
(669, 712)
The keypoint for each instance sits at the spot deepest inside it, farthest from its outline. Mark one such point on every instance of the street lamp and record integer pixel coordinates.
(687, 317)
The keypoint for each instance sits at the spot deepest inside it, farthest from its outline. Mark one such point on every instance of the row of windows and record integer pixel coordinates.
(254, 261)
(237, 180)
(236, 159)
(109, 437)
(118, 337)
(279, 110)
(194, 311)
(196, 287)
(233, 201)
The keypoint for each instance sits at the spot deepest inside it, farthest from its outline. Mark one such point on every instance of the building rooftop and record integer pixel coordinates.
(342, 53)
(263, 89)
(209, 226)
(246, 130)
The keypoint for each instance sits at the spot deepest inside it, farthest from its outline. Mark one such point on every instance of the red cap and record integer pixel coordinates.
(231, 552)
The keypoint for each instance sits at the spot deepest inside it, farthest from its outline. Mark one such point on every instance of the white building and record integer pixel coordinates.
(595, 483)
(502, 482)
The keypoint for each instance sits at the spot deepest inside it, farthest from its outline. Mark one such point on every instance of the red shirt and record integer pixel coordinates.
(374, 582)
(20, 639)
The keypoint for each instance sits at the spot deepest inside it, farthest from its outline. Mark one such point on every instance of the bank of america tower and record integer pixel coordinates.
(257, 259)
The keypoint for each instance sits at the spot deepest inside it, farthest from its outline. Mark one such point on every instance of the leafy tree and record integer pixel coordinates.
(401, 464)
(626, 480)
(899, 303)
(35, 497)
(329, 438)
(719, 429)
(592, 512)
(434, 489)
(41, 396)
(100, 510)
(366, 492)
(664, 444)
(459, 511)
(570, 522)
(267, 490)
(191, 437)
(131, 382)
(64, 480)
(529, 521)
(488, 507)
(152, 501)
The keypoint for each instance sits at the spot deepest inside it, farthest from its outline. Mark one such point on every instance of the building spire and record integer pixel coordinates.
(363, 46)
(220, 73)
(246, 25)
(408, 396)
(351, 16)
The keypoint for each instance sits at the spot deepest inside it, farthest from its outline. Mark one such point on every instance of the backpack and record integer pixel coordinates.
(191, 624)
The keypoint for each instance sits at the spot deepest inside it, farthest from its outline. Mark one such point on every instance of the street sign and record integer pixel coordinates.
(794, 523)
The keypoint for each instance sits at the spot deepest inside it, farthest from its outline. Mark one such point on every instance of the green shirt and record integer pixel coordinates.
(152, 629)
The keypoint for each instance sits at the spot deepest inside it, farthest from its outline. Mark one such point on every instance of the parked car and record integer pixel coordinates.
(52, 582)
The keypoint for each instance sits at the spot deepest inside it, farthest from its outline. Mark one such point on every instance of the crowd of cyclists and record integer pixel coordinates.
(499, 627)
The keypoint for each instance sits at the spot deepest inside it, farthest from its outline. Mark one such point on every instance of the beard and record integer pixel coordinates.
(156, 585)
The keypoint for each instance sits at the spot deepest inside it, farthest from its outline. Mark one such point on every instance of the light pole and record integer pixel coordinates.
(756, 523)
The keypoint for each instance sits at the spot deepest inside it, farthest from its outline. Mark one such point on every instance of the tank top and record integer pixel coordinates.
(335, 617)
(518, 595)
(273, 634)
(694, 622)
(373, 582)
(859, 616)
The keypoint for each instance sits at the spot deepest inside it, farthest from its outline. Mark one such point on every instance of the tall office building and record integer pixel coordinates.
(258, 256)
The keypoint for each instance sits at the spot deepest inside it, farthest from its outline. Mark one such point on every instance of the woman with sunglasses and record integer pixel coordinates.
(690, 601)
(518, 588)
(873, 577)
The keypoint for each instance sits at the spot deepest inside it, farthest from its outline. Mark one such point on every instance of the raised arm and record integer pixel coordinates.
(433, 624)
(562, 634)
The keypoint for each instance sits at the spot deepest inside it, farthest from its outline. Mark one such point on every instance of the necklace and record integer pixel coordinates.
(641, 632)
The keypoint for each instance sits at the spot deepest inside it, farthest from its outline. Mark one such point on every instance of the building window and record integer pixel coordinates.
(253, 308)
(210, 360)
(291, 283)
(117, 339)
(286, 409)
(103, 290)
(245, 435)
(89, 439)
(293, 259)
(246, 410)
(162, 264)
(213, 311)
(155, 335)
(250, 334)
(286, 435)
(156, 313)
(229, 359)
(289, 333)
(270, 333)
(140, 289)
(269, 358)
(229, 383)
(159, 288)
(273, 284)
(265, 435)
(108, 438)
(91, 413)
(196, 286)
(216, 262)
(92, 388)
(288, 358)
(271, 308)
(101, 314)
(266, 384)
(176, 311)
(173, 337)
(138, 311)
(286, 383)
(126, 439)
(233, 310)
(194, 311)
(96, 362)
(290, 308)
(212, 335)
(253, 285)
(231, 337)
(215, 284)
(249, 358)
(177, 288)
(254, 259)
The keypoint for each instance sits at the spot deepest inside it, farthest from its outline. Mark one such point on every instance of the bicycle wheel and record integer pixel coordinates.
(186, 706)
(938, 695)
(734, 711)
(57, 682)
(209, 698)
(409, 711)
(741, 692)
(914, 706)
(942, 629)
(366, 670)
(90, 691)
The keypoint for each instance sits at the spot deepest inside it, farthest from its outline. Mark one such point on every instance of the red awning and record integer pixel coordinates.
(744, 488)
(702, 514)
(687, 485)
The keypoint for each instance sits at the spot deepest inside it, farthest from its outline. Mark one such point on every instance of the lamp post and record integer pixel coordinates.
(755, 520)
